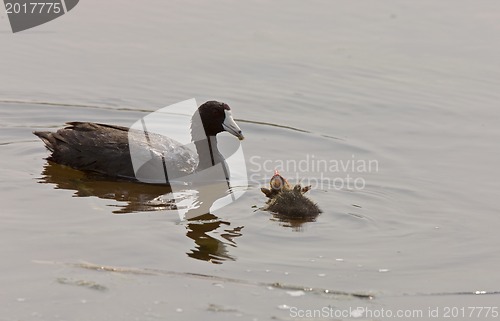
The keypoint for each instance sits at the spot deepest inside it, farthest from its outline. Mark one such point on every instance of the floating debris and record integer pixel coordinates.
(296, 293)
(86, 284)
(323, 291)
(220, 308)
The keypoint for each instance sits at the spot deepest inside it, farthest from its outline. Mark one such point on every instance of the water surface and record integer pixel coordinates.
(412, 86)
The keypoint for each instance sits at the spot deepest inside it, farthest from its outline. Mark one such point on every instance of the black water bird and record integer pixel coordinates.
(105, 149)
(287, 201)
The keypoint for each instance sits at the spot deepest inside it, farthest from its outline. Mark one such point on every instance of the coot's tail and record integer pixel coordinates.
(48, 139)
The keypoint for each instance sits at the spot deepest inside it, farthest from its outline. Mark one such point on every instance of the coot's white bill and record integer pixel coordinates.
(230, 125)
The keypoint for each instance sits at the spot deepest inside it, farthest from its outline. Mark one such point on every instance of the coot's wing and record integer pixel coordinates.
(154, 154)
(105, 149)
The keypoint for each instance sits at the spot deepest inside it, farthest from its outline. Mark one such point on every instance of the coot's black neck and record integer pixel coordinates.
(206, 148)
(208, 153)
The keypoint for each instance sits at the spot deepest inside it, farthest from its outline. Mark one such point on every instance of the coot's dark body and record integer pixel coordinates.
(293, 203)
(287, 201)
(104, 149)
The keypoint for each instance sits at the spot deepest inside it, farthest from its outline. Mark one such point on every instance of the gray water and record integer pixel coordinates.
(412, 86)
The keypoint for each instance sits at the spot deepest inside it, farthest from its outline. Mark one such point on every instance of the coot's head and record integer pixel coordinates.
(278, 182)
(216, 117)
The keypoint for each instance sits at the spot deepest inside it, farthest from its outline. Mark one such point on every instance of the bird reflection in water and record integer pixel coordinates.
(212, 236)
(296, 224)
(209, 248)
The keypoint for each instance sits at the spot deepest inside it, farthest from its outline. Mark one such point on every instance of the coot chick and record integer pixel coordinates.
(105, 149)
(289, 201)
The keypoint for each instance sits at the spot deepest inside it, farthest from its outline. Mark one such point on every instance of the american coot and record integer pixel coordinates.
(105, 149)
(288, 201)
